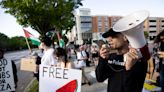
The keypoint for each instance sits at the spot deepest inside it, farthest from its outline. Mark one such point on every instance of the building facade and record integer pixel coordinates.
(101, 24)
(92, 27)
(84, 25)
(153, 25)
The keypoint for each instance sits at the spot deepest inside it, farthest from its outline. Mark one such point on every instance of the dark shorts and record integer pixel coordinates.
(94, 55)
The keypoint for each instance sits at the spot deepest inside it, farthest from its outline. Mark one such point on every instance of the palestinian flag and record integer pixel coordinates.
(61, 41)
(34, 40)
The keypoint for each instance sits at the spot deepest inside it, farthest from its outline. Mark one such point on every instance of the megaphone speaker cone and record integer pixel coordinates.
(132, 27)
(130, 21)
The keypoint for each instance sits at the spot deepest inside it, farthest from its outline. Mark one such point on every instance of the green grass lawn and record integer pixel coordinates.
(34, 87)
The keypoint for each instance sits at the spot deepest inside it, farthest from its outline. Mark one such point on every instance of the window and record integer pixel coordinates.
(99, 24)
(99, 29)
(106, 24)
(152, 20)
(106, 19)
(85, 18)
(152, 31)
(84, 29)
(152, 26)
(86, 25)
(86, 35)
(152, 37)
(106, 28)
(99, 19)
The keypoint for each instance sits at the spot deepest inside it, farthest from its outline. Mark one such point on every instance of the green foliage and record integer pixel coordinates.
(146, 34)
(14, 43)
(3, 41)
(34, 87)
(43, 15)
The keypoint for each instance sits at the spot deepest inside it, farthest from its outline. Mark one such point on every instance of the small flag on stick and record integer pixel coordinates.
(34, 40)
(61, 41)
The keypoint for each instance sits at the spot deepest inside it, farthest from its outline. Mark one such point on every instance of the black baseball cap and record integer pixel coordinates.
(110, 32)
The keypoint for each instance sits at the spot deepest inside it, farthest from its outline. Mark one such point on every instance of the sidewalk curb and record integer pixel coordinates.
(27, 88)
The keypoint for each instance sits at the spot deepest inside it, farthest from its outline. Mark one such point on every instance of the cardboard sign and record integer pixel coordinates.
(56, 79)
(28, 64)
(6, 76)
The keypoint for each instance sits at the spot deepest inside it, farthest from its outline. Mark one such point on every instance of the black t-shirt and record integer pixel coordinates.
(116, 62)
(119, 79)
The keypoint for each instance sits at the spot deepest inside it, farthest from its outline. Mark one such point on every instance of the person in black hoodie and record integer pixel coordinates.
(123, 75)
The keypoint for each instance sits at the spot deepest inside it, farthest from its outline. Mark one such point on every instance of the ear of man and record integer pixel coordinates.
(125, 39)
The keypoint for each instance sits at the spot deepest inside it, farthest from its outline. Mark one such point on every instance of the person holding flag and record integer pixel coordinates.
(54, 33)
(48, 57)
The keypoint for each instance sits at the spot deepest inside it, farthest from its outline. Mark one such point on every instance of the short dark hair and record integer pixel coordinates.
(46, 40)
(60, 52)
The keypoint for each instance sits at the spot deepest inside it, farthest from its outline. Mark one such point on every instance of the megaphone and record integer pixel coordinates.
(132, 27)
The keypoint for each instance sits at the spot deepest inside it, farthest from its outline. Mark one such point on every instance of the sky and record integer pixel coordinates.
(10, 27)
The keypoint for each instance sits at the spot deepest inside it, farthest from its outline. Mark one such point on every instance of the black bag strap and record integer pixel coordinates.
(82, 54)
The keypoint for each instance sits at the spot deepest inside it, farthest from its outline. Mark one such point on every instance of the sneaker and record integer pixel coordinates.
(83, 83)
(89, 83)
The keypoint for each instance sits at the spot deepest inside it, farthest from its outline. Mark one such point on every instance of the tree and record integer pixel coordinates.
(3, 41)
(18, 42)
(43, 15)
(14, 43)
(146, 34)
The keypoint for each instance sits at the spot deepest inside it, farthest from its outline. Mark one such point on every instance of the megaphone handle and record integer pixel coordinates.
(142, 53)
(139, 53)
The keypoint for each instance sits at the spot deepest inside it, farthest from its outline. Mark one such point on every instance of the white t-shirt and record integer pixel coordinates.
(81, 55)
(48, 58)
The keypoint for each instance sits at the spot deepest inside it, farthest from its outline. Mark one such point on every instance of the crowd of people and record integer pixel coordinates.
(128, 77)
(114, 59)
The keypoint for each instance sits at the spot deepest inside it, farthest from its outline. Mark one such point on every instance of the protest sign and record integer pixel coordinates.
(56, 79)
(6, 76)
(28, 64)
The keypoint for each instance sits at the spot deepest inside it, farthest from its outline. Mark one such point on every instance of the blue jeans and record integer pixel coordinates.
(162, 77)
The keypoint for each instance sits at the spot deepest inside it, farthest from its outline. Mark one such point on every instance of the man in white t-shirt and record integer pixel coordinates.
(48, 57)
(82, 57)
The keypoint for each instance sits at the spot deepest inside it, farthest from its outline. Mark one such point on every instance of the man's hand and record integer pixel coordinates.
(130, 58)
(161, 54)
(104, 52)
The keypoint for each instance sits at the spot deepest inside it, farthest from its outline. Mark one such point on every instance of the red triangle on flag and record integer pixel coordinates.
(27, 34)
(69, 87)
